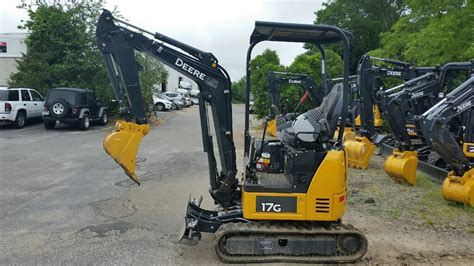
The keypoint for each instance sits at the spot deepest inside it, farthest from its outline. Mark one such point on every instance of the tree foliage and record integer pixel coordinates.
(61, 48)
(152, 73)
(260, 66)
(62, 51)
(431, 32)
(365, 19)
(238, 91)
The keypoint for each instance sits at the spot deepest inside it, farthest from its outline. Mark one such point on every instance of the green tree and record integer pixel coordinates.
(152, 73)
(365, 19)
(310, 63)
(432, 32)
(260, 66)
(238, 91)
(62, 49)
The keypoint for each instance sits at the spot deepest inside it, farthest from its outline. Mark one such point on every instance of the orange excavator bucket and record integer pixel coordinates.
(401, 166)
(123, 143)
(359, 150)
(459, 188)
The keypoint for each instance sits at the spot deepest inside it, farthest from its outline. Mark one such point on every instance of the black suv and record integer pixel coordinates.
(73, 106)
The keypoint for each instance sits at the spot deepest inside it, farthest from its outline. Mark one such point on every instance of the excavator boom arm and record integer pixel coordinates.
(118, 44)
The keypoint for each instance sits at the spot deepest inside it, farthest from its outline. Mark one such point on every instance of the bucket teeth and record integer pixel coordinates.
(459, 188)
(359, 151)
(401, 166)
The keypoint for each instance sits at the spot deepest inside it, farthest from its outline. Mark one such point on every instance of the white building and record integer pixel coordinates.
(174, 79)
(12, 48)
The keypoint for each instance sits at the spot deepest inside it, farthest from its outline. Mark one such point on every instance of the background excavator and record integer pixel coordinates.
(293, 216)
(311, 90)
(359, 143)
(450, 127)
(401, 104)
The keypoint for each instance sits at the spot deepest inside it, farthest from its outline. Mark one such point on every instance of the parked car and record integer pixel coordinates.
(73, 106)
(188, 101)
(162, 104)
(176, 97)
(19, 104)
(178, 103)
(195, 100)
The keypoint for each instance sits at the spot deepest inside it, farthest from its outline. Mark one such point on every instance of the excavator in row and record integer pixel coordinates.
(401, 105)
(359, 143)
(450, 125)
(312, 92)
(293, 215)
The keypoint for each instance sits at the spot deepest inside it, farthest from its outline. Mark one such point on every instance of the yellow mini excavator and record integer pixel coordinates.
(290, 216)
(311, 91)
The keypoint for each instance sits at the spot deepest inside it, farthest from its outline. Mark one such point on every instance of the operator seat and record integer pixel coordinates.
(317, 124)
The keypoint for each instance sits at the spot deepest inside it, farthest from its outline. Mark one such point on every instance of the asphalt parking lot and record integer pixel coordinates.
(63, 200)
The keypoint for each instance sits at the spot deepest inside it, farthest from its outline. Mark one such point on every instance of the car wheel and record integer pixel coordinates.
(20, 119)
(85, 122)
(59, 108)
(160, 107)
(49, 124)
(103, 121)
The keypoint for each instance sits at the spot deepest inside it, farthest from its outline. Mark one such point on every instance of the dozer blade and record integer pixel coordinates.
(271, 128)
(359, 150)
(459, 188)
(122, 145)
(401, 166)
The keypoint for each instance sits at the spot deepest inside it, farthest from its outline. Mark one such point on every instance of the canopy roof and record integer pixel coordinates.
(292, 32)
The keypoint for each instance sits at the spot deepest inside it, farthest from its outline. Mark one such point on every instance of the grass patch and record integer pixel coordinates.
(422, 204)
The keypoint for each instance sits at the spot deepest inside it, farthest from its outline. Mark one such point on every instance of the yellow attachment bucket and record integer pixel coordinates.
(122, 145)
(272, 128)
(401, 166)
(459, 188)
(359, 150)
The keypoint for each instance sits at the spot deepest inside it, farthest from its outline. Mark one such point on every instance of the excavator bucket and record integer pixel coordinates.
(459, 188)
(272, 128)
(401, 166)
(359, 150)
(122, 145)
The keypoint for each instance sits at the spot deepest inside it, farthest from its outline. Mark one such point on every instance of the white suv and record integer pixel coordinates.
(19, 104)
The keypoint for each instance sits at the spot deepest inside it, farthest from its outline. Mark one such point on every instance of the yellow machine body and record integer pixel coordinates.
(468, 149)
(325, 199)
(348, 134)
(378, 121)
(411, 130)
(459, 188)
(123, 143)
(359, 151)
(271, 128)
(401, 166)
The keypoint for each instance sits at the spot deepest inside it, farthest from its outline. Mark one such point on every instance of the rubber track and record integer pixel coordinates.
(292, 229)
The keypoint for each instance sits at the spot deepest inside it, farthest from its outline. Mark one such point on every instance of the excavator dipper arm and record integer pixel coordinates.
(117, 43)
(438, 124)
